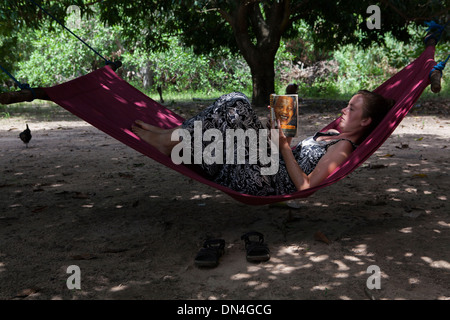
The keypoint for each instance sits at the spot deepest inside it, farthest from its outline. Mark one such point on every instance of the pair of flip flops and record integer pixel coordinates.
(256, 249)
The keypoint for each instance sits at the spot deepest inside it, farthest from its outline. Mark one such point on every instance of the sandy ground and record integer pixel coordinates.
(78, 197)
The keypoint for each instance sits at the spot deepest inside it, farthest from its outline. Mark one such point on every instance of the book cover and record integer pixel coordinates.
(285, 108)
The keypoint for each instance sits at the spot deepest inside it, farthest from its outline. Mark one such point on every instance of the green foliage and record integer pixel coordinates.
(9, 57)
(179, 69)
(364, 67)
(50, 56)
(57, 56)
(158, 49)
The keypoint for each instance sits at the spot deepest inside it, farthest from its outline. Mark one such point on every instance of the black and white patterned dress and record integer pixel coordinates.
(233, 111)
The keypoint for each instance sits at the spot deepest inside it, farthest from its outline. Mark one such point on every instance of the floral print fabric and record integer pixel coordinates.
(233, 111)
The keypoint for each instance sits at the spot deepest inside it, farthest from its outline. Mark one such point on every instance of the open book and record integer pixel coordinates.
(285, 108)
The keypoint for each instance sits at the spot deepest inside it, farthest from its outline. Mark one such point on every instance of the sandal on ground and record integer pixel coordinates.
(257, 251)
(209, 255)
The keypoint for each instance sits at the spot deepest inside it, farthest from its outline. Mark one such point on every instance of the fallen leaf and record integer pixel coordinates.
(377, 166)
(80, 195)
(137, 165)
(319, 236)
(83, 256)
(39, 209)
(27, 292)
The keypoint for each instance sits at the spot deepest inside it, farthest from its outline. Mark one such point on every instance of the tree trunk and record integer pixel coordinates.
(258, 36)
(263, 77)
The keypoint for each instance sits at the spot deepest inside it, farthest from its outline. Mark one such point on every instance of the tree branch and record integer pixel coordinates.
(226, 16)
(258, 23)
(286, 21)
(407, 18)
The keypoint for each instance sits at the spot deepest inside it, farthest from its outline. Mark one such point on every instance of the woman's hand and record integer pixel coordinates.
(283, 140)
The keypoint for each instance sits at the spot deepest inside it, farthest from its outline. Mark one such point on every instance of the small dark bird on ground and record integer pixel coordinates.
(25, 136)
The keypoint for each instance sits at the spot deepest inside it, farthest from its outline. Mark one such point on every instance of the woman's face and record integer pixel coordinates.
(352, 118)
(284, 109)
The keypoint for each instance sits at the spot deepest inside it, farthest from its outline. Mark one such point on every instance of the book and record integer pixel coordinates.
(285, 108)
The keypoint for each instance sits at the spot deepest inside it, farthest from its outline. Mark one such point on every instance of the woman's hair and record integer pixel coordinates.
(375, 106)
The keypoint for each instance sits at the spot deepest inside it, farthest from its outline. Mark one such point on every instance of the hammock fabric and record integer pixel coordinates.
(110, 104)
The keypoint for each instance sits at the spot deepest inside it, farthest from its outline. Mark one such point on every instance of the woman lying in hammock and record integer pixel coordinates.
(302, 167)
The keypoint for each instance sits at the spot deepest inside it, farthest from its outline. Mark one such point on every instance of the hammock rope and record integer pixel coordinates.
(19, 84)
(438, 30)
(440, 66)
(71, 32)
(26, 85)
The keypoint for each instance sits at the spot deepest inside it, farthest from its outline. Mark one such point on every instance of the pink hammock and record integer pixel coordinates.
(110, 104)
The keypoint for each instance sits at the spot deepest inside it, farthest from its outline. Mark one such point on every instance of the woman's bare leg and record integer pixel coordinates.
(153, 128)
(161, 140)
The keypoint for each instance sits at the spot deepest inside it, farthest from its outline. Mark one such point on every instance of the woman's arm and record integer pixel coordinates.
(336, 155)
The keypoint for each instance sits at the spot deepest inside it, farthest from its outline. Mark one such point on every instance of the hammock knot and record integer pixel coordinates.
(435, 30)
(108, 62)
(440, 66)
(20, 85)
(27, 87)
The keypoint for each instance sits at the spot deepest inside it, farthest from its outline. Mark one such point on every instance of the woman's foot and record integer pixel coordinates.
(147, 126)
(160, 140)
(153, 128)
